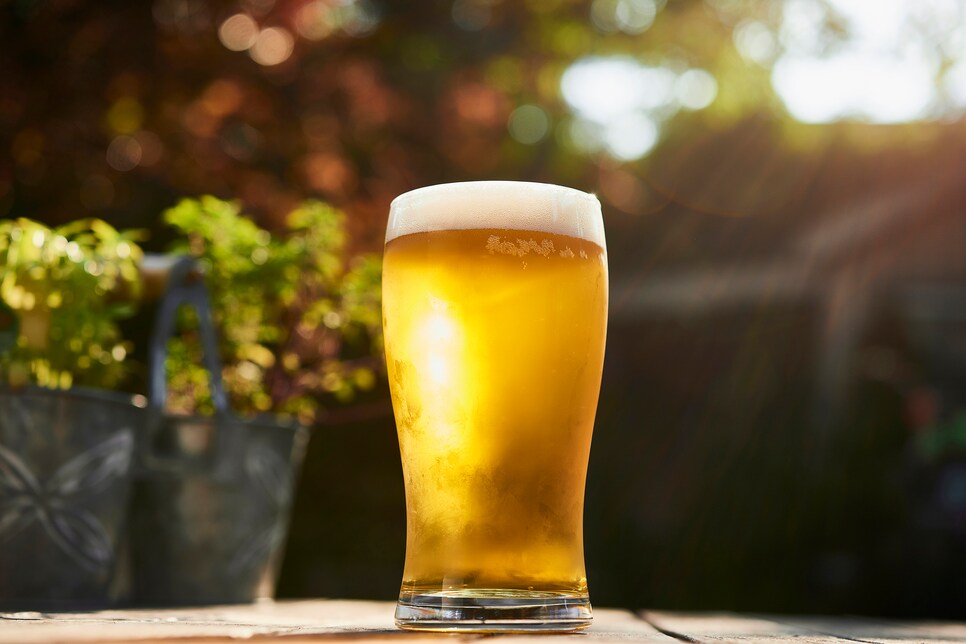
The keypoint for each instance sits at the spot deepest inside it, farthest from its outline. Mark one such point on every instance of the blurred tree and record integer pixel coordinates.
(118, 109)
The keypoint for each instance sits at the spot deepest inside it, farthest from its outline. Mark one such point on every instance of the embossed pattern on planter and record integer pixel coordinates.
(80, 534)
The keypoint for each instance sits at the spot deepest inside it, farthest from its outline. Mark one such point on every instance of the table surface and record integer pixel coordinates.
(326, 620)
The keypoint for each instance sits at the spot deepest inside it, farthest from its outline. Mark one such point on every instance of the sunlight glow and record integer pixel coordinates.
(631, 136)
(883, 69)
(620, 103)
(440, 345)
(877, 89)
(439, 327)
(437, 336)
(604, 88)
(438, 368)
(955, 83)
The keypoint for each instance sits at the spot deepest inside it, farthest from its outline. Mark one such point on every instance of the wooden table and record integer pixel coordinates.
(334, 620)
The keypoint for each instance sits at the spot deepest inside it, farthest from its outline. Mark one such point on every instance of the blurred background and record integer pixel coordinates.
(782, 424)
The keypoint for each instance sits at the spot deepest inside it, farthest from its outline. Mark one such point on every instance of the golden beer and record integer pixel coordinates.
(494, 344)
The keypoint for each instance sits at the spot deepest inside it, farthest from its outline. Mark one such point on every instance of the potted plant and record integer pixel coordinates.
(294, 320)
(66, 441)
(299, 315)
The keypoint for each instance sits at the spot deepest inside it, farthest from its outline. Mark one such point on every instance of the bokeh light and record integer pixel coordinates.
(239, 32)
(695, 89)
(629, 16)
(584, 135)
(631, 136)
(357, 17)
(603, 88)
(152, 149)
(528, 124)
(124, 153)
(258, 7)
(221, 98)
(318, 19)
(755, 42)
(273, 46)
(314, 20)
(471, 15)
(125, 115)
(184, 16)
(628, 101)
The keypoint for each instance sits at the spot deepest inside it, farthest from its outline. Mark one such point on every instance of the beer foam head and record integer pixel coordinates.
(507, 205)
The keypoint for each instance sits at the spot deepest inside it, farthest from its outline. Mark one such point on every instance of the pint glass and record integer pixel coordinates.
(495, 315)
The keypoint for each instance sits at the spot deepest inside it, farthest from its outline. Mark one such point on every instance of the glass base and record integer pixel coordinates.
(483, 610)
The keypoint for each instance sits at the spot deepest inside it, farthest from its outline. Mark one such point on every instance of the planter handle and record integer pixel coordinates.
(185, 287)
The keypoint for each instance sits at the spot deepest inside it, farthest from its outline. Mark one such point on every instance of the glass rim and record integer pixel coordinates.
(523, 186)
(506, 205)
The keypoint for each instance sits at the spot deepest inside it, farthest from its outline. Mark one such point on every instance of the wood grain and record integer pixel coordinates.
(297, 622)
(728, 627)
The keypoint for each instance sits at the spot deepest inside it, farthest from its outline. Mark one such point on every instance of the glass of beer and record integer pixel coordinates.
(495, 316)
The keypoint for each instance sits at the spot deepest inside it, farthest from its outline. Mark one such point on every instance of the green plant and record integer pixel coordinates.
(299, 320)
(67, 287)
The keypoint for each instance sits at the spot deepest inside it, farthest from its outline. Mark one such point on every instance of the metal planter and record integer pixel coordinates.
(212, 496)
(204, 536)
(65, 479)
